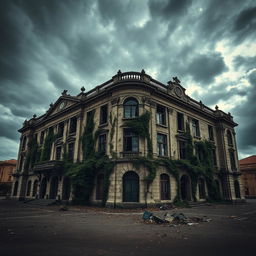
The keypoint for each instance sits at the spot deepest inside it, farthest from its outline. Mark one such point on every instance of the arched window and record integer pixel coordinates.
(29, 188)
(99, 186)
(201, 188)
(131, 108)
(237, 189)
(165, 186)
(131, 187)
(35, 186)
(230, 140)
(15, 190)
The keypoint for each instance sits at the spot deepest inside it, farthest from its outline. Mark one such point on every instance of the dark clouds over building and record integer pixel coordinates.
(48, 46)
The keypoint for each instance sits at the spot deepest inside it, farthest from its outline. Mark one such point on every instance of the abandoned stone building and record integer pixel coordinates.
(175, 119)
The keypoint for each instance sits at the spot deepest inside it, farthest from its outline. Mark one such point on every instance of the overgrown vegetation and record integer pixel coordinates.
(46, 151)
(83, 175)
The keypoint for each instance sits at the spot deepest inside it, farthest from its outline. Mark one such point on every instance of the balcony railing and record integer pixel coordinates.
(130, 154)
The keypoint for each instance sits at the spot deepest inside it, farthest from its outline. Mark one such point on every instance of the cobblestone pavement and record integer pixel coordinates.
(31, 230)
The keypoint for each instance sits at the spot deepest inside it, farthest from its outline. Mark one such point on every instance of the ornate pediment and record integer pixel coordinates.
(175, 89)
(64, 102)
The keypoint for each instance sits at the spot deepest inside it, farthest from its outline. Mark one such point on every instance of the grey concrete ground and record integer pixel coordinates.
(30, 230)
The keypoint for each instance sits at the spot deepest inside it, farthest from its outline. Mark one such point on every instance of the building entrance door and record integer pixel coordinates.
(131, 187)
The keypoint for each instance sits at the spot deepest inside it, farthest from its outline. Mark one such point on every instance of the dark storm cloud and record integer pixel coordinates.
(48, 46)
(246, 21)
(245, 112)
(204, 68)
(247, 62)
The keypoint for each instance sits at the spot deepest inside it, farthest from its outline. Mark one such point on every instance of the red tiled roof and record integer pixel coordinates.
(11, 161)
(248, 160)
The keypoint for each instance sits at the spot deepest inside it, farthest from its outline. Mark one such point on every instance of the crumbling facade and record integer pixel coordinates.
(125, 97)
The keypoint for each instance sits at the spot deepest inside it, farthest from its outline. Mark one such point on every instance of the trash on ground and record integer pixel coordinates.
(147, 215)
(63, 208)
(175, 219)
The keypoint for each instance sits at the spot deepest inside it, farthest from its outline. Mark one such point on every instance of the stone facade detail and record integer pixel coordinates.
(171, 109)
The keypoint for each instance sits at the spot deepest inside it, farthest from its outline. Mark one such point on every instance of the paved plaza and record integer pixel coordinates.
(26, 229)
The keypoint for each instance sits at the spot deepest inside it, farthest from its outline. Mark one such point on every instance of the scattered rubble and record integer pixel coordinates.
(174, 219)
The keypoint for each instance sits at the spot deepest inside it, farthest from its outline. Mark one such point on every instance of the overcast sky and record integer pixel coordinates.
(48, 46)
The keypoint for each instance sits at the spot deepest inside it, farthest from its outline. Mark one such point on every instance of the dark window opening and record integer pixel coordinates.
(131, 141)
(90, 116)
(104, 114)
(58, 153)
(165, 187)
(71, 151)
(210, 132)
(42, 137)
(195, 128)
(199, 153)
(60, 130)
(232, 160)
(72, 125)
(162, 144)
(201, 189)
(131, 108)
(180, 121)
(230, 140)
(160, 115)
(28, 188)
(182, 149)
(102, 143)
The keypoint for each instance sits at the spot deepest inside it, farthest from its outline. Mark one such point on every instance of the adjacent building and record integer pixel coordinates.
(248, 170)
(127, 96)
(7, 168)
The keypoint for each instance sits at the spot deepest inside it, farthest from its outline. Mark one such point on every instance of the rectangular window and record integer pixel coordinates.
(162, 144)
(60, 130)
(180, 121)
(71, 151)
(131, 141)
(58, 153)
(102, 143)
(72, 125)
(210, 132)
(195, 128)
(90, 115)
(42, 138)
(232, 160)
(214, 158)
(182, 149)
(160, 115)
(104, 114)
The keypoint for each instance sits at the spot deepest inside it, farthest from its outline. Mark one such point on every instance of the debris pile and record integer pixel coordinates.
(173, 219)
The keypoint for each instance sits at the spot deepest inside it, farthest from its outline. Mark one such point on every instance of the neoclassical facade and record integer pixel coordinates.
(125, 97)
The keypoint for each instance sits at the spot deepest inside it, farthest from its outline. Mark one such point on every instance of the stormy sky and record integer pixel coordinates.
(48, 46)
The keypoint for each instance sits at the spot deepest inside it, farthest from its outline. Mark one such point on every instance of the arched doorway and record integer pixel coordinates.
(237, 189)
(35, 186)
(185, 188)
(54, 187)
(99, 186)
(28, 188)
(131, 187)
(165, 187)
(201, 188)
(66, 188)
(43, 188)
(217, 184)
(15, 190)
